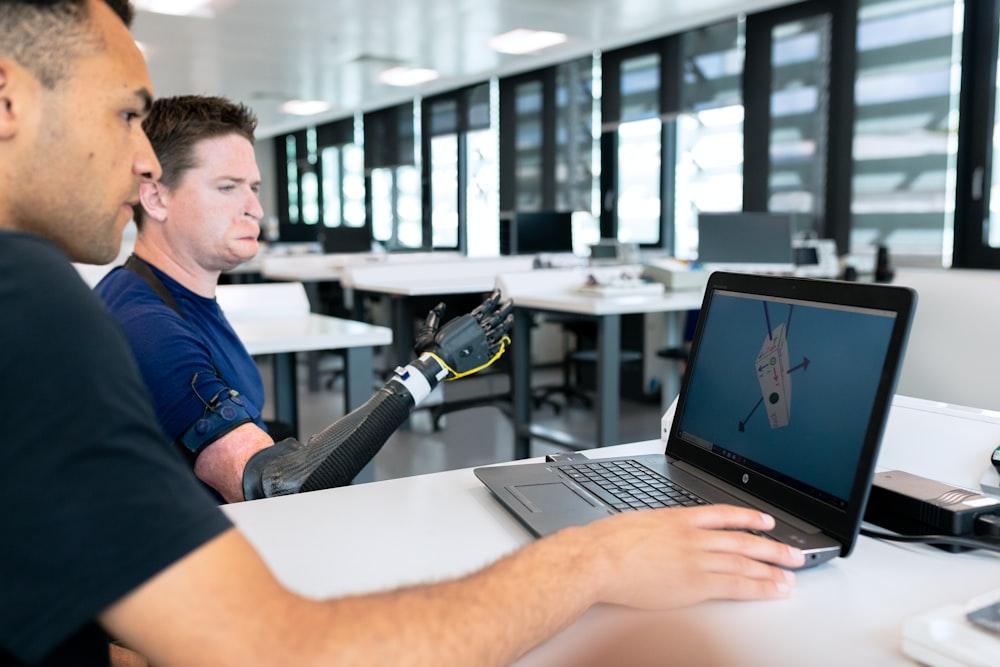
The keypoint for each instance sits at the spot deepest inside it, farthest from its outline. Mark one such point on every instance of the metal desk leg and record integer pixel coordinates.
(286, 399)
(520, 351)
(402, 337)
(609, 336)
(312, 293)
(674, 336)
(358, 373)
(402, 330)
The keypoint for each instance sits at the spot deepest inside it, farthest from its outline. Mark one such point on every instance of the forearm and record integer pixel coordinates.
(360, 434)
(488, 618)
(334, 456)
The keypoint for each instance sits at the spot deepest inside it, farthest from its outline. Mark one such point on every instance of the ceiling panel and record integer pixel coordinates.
(263, 52)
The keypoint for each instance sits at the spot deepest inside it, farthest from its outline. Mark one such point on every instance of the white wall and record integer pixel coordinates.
(954, 350)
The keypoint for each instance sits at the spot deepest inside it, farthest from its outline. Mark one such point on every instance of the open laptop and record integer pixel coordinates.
(782, 408)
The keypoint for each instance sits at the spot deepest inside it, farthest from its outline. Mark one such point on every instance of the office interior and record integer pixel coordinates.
(869, 123)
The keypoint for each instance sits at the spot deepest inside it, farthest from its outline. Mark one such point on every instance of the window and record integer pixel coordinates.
(549, 123)
(298, 191)
(638, 151)
(977, 201)
(461, 142)
(708, 131)
(390, 165)
(906, 129)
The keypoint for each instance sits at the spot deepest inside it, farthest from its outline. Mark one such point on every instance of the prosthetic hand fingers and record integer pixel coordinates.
(488, 306)
(498, 333)
(427, 332)
(501, 319)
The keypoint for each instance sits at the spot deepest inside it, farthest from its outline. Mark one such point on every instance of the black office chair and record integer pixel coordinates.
(682, 352)
(581, 351)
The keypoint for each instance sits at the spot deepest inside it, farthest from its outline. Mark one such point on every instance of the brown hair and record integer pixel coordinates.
(175, 125)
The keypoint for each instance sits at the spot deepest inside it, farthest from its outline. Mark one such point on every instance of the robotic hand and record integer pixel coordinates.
(334, 456)
(469, 343)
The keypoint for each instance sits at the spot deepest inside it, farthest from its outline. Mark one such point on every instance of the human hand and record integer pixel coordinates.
(469, 343)
(668, 558)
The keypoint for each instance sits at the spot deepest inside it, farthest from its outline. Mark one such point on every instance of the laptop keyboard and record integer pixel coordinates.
(627, 485)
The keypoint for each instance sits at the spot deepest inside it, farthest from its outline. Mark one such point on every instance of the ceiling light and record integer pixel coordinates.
(522, 41)
(407, 76)
(305, 107)
(175, 7)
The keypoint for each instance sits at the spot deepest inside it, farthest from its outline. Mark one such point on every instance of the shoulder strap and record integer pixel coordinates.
(140, 267)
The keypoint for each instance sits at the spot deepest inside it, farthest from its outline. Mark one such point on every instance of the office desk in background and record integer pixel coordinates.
(557, 291)
(847, 612)
(402, 283)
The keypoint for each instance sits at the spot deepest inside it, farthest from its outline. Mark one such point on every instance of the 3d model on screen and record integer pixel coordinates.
(774, 373)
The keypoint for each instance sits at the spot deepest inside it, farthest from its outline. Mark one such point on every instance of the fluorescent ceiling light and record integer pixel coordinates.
(407, 76)
(175, 7)
(522, 41)
(305, 107)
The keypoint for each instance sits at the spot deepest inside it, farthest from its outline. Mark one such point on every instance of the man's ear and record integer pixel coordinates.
(153, 196)
(8, 111)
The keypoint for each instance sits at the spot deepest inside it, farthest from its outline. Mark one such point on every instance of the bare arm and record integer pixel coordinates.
(221, 606)
(221, 464)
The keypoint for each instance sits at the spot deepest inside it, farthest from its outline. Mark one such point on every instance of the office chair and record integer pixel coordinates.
(584, 332)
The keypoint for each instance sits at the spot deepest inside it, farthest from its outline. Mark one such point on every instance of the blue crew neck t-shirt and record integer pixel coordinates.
(178, 357)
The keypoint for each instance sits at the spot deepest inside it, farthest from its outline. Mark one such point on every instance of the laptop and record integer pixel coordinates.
(782, 408)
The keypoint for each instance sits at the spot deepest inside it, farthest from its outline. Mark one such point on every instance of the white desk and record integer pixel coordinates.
(607, 311)
(847, 612)
(284, 336)
(402, 282)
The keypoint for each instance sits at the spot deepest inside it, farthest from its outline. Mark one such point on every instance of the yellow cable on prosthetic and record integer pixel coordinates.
(454, 376)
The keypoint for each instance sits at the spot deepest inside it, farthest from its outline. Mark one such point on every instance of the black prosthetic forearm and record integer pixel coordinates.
(334, 456)
(358, 437)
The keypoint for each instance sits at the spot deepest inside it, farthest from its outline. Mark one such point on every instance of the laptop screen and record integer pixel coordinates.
(786, 388)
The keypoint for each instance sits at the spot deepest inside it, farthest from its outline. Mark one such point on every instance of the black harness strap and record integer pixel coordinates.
(140, 267)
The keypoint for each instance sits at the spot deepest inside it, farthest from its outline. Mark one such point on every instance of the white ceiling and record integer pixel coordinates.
(263, 52)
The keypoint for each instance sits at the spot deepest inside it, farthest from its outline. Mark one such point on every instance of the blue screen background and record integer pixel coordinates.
(831, 400)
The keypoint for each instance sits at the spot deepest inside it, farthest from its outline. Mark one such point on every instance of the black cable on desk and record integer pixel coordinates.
(968, 542)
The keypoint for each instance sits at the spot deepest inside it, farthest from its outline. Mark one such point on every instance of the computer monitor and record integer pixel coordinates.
(746, 241)
(345, 239)
(531, 233)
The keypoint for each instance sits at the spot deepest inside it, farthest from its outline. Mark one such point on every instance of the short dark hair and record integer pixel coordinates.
(176, 124)
(46, 36)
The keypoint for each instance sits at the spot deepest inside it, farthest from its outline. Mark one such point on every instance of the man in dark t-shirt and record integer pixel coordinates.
(105, 530)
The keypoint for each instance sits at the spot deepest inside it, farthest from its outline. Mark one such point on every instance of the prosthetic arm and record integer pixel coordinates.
(333, 457)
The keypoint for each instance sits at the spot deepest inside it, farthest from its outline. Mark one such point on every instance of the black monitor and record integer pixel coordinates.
(531, 233)
(345, 239)
(745, 238)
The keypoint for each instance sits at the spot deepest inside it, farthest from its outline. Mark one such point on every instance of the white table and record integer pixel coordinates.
(607, 311)
(846, 612)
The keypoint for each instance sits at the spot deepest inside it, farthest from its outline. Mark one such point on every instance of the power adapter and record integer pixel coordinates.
(912, 505)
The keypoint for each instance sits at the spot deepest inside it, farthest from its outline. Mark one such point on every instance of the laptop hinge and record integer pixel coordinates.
(750, 499)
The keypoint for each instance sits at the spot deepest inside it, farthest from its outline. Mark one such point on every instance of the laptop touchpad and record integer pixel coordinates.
(548, 497)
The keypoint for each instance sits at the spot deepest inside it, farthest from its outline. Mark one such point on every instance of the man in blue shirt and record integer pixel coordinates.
(202, 218)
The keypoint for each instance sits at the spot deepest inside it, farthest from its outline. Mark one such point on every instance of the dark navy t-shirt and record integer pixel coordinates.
(178, 356)
(95, 499)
